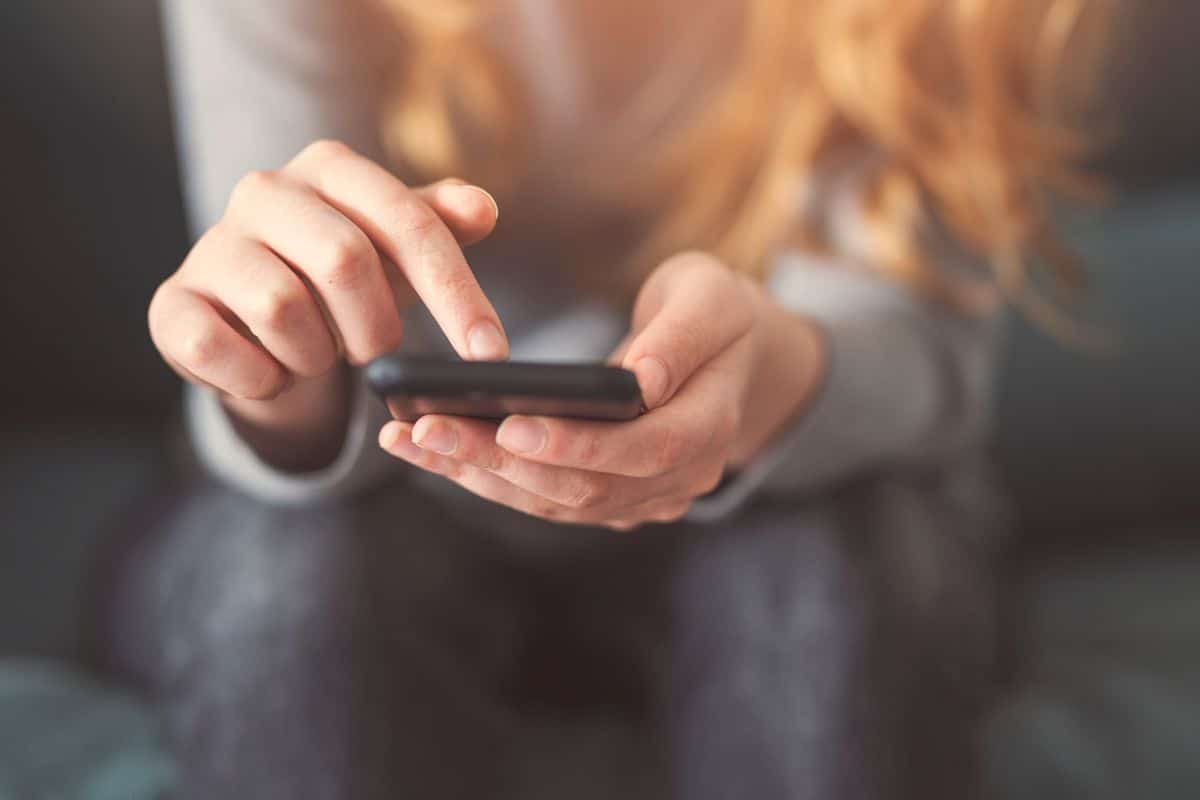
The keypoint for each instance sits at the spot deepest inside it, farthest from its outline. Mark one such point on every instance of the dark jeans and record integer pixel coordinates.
(394, 648)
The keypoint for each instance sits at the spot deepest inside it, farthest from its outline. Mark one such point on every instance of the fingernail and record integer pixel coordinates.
(396, 439)
(438, 438)
(455, 182)
(488, 195)
(521, 436)
(464, 188)
(487, 343)
(652, 378)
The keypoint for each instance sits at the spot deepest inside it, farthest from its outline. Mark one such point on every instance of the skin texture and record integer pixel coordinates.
(310, 268)
(722, 369)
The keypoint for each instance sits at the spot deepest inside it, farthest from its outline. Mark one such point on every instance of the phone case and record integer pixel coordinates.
(414, 387)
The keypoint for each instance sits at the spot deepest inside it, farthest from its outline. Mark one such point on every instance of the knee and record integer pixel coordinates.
(780, 585)
(217, 577)
(214, 570)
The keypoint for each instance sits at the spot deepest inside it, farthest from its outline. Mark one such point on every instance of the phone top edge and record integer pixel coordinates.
(446, 377)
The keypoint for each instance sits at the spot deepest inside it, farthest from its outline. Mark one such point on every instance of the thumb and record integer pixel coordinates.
(701, 309)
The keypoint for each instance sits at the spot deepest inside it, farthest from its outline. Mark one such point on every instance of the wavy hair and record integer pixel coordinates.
(975, 111)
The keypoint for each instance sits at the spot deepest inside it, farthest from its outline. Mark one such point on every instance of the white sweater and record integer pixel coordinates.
(908, 385)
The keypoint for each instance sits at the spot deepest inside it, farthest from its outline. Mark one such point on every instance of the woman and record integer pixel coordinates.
(792, 220)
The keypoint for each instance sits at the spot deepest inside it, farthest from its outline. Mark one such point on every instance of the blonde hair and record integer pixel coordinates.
(972, 107)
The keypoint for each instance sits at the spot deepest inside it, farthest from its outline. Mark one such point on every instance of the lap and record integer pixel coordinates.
(401, 613)
(809, 659)
(318, 652)
(391, 570)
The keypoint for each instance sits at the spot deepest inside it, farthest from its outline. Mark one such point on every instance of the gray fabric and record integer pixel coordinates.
(769, 666)
(391, 648)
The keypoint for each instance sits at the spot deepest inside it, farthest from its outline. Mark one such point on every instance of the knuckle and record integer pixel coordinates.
(670, 451)
(416, 219)
(686, 339)
(276, 309)
(589, 492)
(222, 249)
(720, 283)
(587, 448)
(212, 247)
(250, 187)
(201, 347)
(344, 260)
(325, 150)
(493, 459)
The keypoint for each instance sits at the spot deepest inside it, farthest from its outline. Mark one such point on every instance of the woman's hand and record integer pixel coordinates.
(311, 264)
(704, 345)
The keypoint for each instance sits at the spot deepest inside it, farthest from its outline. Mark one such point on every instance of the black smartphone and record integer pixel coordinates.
(413, 387)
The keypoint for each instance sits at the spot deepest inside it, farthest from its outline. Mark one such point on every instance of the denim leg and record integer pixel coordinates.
(317, 653)
(788, 680)
(769, 629)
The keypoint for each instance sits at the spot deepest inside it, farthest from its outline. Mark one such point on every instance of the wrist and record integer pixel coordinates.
(301, 430)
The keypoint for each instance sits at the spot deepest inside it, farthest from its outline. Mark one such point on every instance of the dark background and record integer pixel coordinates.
(90, 215)
(90, 221)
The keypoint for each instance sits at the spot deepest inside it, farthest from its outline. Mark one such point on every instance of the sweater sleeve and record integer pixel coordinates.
(908, 384)
(252, 84)
(360, 464)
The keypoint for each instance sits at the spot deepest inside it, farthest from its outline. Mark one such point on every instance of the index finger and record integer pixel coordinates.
(413, 237)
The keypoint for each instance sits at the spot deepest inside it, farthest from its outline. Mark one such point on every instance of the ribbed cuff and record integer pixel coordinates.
(227, 456)
(878, 394)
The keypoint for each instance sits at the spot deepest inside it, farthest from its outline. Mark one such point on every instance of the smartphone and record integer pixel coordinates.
(413, 387)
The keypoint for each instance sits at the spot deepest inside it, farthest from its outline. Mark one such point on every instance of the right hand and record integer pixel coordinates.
(315, 262)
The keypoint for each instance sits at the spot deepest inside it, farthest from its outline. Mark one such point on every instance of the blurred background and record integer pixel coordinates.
(1102, 452)
(91, 220)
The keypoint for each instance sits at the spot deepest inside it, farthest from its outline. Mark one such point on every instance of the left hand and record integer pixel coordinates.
(696, 342)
